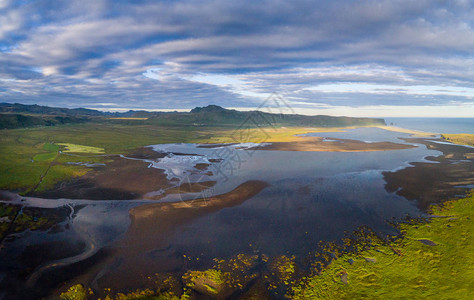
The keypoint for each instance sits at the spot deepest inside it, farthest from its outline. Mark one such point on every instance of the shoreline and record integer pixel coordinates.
(128, 177)
(165, 217)
(443, 177)
(418, 261)
(152, 226)
(318, 144)
(428, 253)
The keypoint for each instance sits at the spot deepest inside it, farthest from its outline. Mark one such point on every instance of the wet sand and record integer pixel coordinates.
(120, 179)
(127, 178)
(332, 145)
(185, 187)
(414, 133)
(430, 183)
(232, 198)
(146, 247)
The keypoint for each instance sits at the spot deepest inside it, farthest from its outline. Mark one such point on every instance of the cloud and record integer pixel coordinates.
(10, 21)
(180, 54)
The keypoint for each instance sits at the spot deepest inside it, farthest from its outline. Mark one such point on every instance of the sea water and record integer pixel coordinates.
(435, 125)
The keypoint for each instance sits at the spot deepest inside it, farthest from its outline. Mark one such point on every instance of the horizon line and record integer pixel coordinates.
(378, 111)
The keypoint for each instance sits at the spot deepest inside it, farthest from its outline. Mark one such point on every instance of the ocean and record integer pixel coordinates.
(435, 125)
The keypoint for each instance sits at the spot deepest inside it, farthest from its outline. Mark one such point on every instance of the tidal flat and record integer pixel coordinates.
(218, 216)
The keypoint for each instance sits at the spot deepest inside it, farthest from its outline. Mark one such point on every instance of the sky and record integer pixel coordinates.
(355, 58)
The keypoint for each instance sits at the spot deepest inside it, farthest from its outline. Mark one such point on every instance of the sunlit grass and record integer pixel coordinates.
(404, 269)
(81, 148)
(28, 153)
(441, 271)
(461, 138)
(265, 134)
(76, 292)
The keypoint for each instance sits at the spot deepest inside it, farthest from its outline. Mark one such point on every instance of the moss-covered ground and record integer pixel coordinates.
(27, 154)
(432, 259)
(14, 219)
(30, 158)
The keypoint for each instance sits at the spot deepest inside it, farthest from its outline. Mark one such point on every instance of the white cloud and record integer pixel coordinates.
(386, 111)
(186, 53)
(382, 89)
(10, 22)
(4, 3)
(230, 83)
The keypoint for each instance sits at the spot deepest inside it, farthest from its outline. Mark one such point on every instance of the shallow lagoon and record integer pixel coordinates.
(311, 196)
(240, 165)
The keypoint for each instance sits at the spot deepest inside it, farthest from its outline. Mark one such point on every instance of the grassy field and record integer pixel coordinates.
(286, 134)
(81, 148)
(432, 260)
(266, 134)
(31, 158)
(462, 138)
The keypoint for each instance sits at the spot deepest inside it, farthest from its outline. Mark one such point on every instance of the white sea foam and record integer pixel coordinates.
(182, 165)
(178, 166)
(244, 146)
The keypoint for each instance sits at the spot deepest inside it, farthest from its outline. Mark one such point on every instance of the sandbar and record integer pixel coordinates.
(306, 143)
(428, 182)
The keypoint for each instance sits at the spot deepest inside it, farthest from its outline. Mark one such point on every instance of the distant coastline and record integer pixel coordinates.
(436, 125)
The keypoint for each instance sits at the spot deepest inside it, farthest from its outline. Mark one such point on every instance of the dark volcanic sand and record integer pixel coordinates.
(430, 183)
(145, 247)
(145, 153)
(120, 179)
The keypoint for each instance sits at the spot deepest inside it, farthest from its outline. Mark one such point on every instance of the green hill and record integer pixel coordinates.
(12, 121)
(216, 115)
(21, 116)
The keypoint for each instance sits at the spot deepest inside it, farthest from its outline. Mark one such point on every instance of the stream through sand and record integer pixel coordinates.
(274, 202)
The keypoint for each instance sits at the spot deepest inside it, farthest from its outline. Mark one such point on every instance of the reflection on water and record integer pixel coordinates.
(238, 166)
(312, 196)
(293, 215)
(89, 227)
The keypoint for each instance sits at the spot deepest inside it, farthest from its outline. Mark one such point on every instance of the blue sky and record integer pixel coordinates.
(359, 58)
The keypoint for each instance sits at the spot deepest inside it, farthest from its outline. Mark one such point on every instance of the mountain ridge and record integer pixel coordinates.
(22, 115)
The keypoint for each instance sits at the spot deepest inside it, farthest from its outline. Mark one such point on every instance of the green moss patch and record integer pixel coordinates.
(75, 292)
(44, 157)
(211, 282)
(415, 270)
(28, 153)
(51, 147)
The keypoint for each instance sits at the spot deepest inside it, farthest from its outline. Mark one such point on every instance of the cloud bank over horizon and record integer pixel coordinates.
(320, 56)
